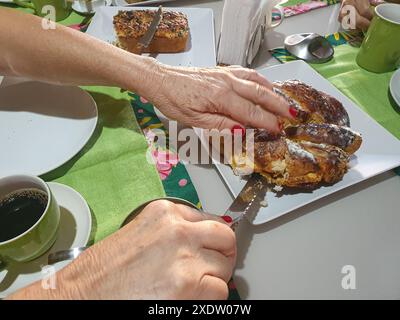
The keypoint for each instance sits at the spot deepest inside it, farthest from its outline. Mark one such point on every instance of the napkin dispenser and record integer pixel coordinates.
(243, 28)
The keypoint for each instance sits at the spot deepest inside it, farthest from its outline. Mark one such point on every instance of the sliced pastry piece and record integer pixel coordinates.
(292, 163)
(312, 105)
(342, 137)
(313, 148)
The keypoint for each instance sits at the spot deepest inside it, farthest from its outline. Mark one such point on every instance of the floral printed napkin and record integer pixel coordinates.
(172, 172)
(295, 7)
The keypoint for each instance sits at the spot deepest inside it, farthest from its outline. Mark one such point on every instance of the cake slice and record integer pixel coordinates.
(171, 36)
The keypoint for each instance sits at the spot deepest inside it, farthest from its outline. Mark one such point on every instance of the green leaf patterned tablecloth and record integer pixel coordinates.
(295, 7)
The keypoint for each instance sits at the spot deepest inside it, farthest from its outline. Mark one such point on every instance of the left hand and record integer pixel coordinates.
(221, 98)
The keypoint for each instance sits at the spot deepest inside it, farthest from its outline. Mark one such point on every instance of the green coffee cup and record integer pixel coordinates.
(41, 231)
(62, 8)
(380, 51)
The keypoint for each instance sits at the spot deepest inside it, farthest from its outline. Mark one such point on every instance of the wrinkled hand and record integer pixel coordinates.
(169, 251)
(220, 98)
(364, 12)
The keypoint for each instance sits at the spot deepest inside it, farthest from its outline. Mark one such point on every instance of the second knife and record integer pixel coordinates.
(249, 200)
(144, 41)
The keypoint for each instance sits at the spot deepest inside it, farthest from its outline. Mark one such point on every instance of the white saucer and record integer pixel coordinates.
(395, 87)
(75, 228)
(85, 10)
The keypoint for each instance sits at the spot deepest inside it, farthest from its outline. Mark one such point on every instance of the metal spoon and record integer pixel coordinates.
(69, 254)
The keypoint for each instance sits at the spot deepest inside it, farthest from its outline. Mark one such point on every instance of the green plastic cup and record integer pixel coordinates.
(380, 51)
(62, 8)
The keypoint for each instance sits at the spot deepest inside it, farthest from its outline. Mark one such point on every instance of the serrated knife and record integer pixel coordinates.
(249, 200)
(144, 41)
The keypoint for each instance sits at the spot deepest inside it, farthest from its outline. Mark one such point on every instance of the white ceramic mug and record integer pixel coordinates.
(91, 6)
(259, 35)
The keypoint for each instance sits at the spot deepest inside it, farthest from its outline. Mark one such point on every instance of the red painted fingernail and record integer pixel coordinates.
(227, 219)
(293, 112)
(236, 129)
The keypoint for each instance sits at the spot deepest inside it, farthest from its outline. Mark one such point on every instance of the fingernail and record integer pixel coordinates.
(293, 112)
(280, 126)
(236, 129)
(227, 219)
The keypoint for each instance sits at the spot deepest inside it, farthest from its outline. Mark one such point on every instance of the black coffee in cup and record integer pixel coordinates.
(20, 210)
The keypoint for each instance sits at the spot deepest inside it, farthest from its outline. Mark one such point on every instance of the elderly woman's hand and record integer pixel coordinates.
(221, 98)
(363, 12)
(168, 251)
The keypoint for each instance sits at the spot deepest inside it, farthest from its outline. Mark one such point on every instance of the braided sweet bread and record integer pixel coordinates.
(312, 149)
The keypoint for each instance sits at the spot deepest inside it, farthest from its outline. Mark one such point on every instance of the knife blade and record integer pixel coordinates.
(249, 200)
(144, 41)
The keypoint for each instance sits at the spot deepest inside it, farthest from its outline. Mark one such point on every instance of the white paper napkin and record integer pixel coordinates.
(241, 19)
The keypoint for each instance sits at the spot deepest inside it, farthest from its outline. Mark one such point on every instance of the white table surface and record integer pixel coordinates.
(301, 255)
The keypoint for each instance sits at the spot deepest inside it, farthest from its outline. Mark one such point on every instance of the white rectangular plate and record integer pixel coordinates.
(379, 152)
(200, 51)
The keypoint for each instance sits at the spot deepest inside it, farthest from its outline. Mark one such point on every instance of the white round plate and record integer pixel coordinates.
(75, 228)
(395, 87)
(82, 9)
(42, 126)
